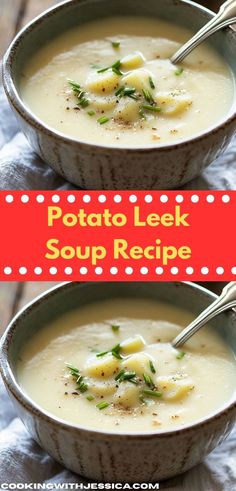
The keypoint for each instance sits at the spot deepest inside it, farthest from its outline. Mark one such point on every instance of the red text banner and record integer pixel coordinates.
(126, 235)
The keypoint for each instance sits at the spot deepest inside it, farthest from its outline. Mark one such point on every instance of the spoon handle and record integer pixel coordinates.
(225, 17)
(227, 300)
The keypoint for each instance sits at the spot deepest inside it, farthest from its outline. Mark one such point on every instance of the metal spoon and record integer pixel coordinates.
(225, 17)
(227, 300)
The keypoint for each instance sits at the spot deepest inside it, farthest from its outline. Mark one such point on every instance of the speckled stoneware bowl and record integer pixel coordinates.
(98, 166)
(103, 455)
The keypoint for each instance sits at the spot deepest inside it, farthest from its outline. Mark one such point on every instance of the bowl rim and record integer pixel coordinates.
(36, 410)
(25, 112)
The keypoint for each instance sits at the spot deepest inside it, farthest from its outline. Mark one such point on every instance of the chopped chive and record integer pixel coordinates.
(141, 113)
(116, 351)
(115, 68)
(180, 355)
(102, 405)
(147, 95)
(126, 92)
(141, 398)
(152, 368)
(117, 71)
(83, 387)
(115, 44)
(179, 71)
(102, 70)
(148, 381)
(83, 102)
(91, 113)
(115, 328)
(103, 120)
(74, 85)
(123, 375)
(119, 375)
(95, 66)
(152, 85)
(102, 353)
(151, 108)
(90, 398)
(72, 368)
(152, 393)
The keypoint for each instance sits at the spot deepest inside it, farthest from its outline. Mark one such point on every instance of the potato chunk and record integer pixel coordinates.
(102, 367)
(174, 388)
(132, 61)
(126, 395)
(139, 79)
(131, 345)
(127, 110)
(103, 103)
(103, 83)
(173, 103)
(104, 388)
(138, 363)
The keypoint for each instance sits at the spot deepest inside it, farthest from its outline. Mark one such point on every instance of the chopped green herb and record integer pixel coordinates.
(148, 96)
(180, 355)
(82, 387)
(115, 44)
(90, 398)
(116, 351)
(152, 368)
(91, 113)
(141, 398)
(152, 393)
(115, 328)
(75, 87)
(83, 100)
(102, 353)
(141, 113)
(115, 68)
(148, 381)
(95, 66)
(102, 405)
(102, 70)
(151, 108)
(126, 92)
(179, 71)
(152, 85)
(123, 375)
(103, 120)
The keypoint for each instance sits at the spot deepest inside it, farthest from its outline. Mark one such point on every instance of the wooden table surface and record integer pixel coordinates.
(14, 14)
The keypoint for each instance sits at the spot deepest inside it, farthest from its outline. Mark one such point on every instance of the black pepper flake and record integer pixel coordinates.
(66, 393)
(75, 393)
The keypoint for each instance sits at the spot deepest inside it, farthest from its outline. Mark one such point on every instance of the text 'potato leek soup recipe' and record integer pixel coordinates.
(111, 81)
(111, 366)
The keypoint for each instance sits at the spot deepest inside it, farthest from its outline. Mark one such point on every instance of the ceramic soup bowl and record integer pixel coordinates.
(104, 455)
(97, 166)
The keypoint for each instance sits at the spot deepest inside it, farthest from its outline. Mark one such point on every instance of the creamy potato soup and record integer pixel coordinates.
(111, 82)
(111, 366)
